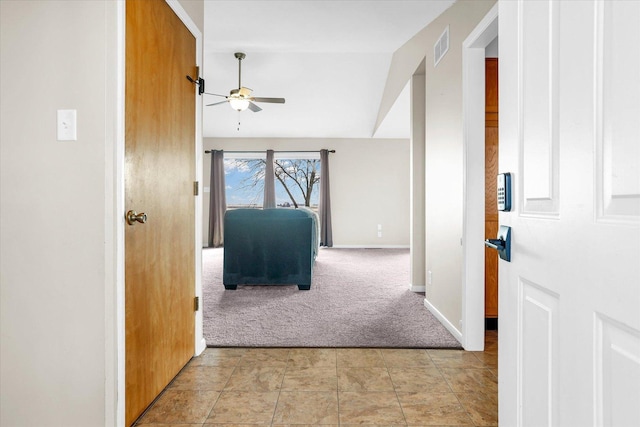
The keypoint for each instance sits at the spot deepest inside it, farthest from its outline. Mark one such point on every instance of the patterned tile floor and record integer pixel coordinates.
(333, 387)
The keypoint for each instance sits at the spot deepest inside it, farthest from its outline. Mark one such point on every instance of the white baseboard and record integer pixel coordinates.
(456, 333)
(417, 288)
(369, 247)
(202, 345)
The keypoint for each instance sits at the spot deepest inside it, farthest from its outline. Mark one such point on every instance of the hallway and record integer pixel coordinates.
(327, 386)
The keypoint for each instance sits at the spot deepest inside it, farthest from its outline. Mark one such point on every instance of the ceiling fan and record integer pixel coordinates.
(240, 99)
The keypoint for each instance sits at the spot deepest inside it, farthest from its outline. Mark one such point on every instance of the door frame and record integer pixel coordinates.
(115, 384)
(473, 87)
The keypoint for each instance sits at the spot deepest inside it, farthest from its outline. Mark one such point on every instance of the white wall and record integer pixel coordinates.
(195, 10)
(491, 51)
(444, 149)
(55, 240)
(369, 185)
(59, 214)
(445, 158)
(417, 212)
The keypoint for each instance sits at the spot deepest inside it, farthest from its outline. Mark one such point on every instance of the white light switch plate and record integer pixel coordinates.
(67, 125)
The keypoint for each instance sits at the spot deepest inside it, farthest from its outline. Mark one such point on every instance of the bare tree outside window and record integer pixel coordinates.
(245, 182)
(298, 179)
(298, 175)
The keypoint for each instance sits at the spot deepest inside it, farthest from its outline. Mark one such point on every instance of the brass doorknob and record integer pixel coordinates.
(132, 217)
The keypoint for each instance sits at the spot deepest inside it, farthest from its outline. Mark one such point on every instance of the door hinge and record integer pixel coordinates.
(196, 188)
(196, 303)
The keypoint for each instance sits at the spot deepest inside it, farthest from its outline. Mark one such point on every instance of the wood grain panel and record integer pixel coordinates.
(490, 272)
(490, 173)
(491, 91)
(159, 175)
(490, 198)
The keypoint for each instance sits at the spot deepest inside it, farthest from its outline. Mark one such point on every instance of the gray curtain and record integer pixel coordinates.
(269, 183)
(217, 200)
(326, 235)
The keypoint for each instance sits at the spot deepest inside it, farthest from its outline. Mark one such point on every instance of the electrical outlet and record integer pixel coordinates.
(429, 277)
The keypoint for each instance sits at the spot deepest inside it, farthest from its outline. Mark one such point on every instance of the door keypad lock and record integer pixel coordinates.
(504, 192)
(502, 244)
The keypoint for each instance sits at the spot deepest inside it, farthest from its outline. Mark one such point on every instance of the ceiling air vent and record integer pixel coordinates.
(441, 47)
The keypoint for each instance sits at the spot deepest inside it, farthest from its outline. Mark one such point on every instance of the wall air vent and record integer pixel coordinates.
(441, 47)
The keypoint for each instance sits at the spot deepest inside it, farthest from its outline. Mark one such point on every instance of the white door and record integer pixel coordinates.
(570, 134)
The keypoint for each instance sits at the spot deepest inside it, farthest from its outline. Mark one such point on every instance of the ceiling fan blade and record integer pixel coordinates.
(253, 107)
(215, 94)
(271, 100)
(244, 91)
(217, 103)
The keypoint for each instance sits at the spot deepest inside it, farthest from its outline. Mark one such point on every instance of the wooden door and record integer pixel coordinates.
(159, 175)
(569, 131)
(490, 195)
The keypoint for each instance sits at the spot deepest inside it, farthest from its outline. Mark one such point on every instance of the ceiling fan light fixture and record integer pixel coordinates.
(240, 99)
(239, 104)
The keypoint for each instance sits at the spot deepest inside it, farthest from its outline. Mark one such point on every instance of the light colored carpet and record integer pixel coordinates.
(358, 298)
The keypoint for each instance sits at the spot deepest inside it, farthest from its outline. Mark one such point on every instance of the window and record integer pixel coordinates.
(297, 182)
(244, 180)
(297, 179)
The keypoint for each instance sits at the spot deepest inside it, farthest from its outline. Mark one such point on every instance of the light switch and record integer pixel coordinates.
(67, 125)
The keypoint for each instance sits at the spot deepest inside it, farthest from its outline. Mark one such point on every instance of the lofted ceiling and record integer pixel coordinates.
(329, 59)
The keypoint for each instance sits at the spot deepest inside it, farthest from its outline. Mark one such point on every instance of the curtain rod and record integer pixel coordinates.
(275, 151)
